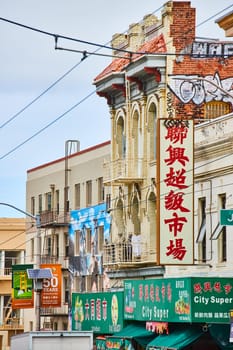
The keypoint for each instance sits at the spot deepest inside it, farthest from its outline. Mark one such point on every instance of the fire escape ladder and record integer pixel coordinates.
(8, 309)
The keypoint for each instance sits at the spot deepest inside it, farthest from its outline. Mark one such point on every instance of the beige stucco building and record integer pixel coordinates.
(53, 190)
(162, 75)
(12, 251)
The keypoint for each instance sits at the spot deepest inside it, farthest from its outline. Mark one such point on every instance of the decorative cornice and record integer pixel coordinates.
(137, 81)
(120, 87)
(154, 71)
(226, 23)
(107, 96)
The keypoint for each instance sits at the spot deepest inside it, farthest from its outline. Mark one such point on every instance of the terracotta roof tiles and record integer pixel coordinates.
(155, 45)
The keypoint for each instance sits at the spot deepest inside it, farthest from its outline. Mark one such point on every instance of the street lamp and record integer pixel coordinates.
(36, 218)
(21, 211)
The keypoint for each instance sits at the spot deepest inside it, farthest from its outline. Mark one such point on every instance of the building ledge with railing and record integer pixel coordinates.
(53, 218)
(14, 323)
(54, 311)
(123, 255)
(124, 170)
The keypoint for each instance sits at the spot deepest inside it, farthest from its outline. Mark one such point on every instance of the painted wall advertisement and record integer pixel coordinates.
(100, 312)
(175, 196)
(84, 233)
(22, 287)
(189, 299)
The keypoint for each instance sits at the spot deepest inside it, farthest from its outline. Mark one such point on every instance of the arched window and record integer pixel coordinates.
(120, 218)
(121, 138)
(135, 216)
(152, 131)
(152, 222)
(215, 109)
(136, 136)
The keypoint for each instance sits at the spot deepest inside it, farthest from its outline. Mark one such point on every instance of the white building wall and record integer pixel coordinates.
(213, 178)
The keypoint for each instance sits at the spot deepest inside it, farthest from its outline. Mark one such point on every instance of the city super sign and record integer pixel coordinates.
(189, 299)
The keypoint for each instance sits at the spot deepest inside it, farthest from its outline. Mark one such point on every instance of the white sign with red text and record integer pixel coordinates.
(175, 191)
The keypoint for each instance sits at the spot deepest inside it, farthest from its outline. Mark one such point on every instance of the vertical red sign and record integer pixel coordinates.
(175, 191)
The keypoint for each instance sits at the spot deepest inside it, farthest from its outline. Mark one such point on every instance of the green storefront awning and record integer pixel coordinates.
(100, 343)
(221, 334)
(178, 339)
(137, 332)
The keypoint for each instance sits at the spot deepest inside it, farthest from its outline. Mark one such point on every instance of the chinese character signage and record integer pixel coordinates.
(51, 292)
(188, 299)
(212, 299)
(22, 287)
(175, 191)
(100, 312)
(157, 300)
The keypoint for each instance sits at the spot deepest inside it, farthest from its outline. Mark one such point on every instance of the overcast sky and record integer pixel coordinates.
(31, 69)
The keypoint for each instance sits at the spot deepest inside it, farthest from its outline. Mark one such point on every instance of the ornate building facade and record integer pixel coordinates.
(163, 72)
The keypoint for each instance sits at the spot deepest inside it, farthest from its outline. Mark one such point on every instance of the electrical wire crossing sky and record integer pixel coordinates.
(50, 55)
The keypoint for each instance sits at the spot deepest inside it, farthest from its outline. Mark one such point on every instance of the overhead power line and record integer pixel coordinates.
(213, 16)
(59, 36)
(39, 96)
(47, 126)
(86, 54)
(103, 46)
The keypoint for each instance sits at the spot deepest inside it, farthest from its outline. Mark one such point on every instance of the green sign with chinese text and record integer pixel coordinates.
(157, 299)
(100, 312)
(188, 299)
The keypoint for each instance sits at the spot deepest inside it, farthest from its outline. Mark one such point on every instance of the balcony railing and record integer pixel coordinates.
(13, 323)
(6, 272)
(53, 218)
(54, 259)
(122, 254)
(53, 311)
(124, 170)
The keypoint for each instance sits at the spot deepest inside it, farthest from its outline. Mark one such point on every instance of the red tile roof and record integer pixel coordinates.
(155, 45)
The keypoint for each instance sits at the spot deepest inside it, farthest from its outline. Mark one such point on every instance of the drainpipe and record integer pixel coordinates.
(69, 145)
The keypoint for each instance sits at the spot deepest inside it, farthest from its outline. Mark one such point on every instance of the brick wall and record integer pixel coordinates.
(182, 31)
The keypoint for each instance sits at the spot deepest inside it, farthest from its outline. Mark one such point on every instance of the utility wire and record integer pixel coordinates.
(211, 17)
(112, 209)
(56, 36)
(85, 55)
(59, 36)
(58, 80)
(39, 96)
(103, 46)
(47, 126)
